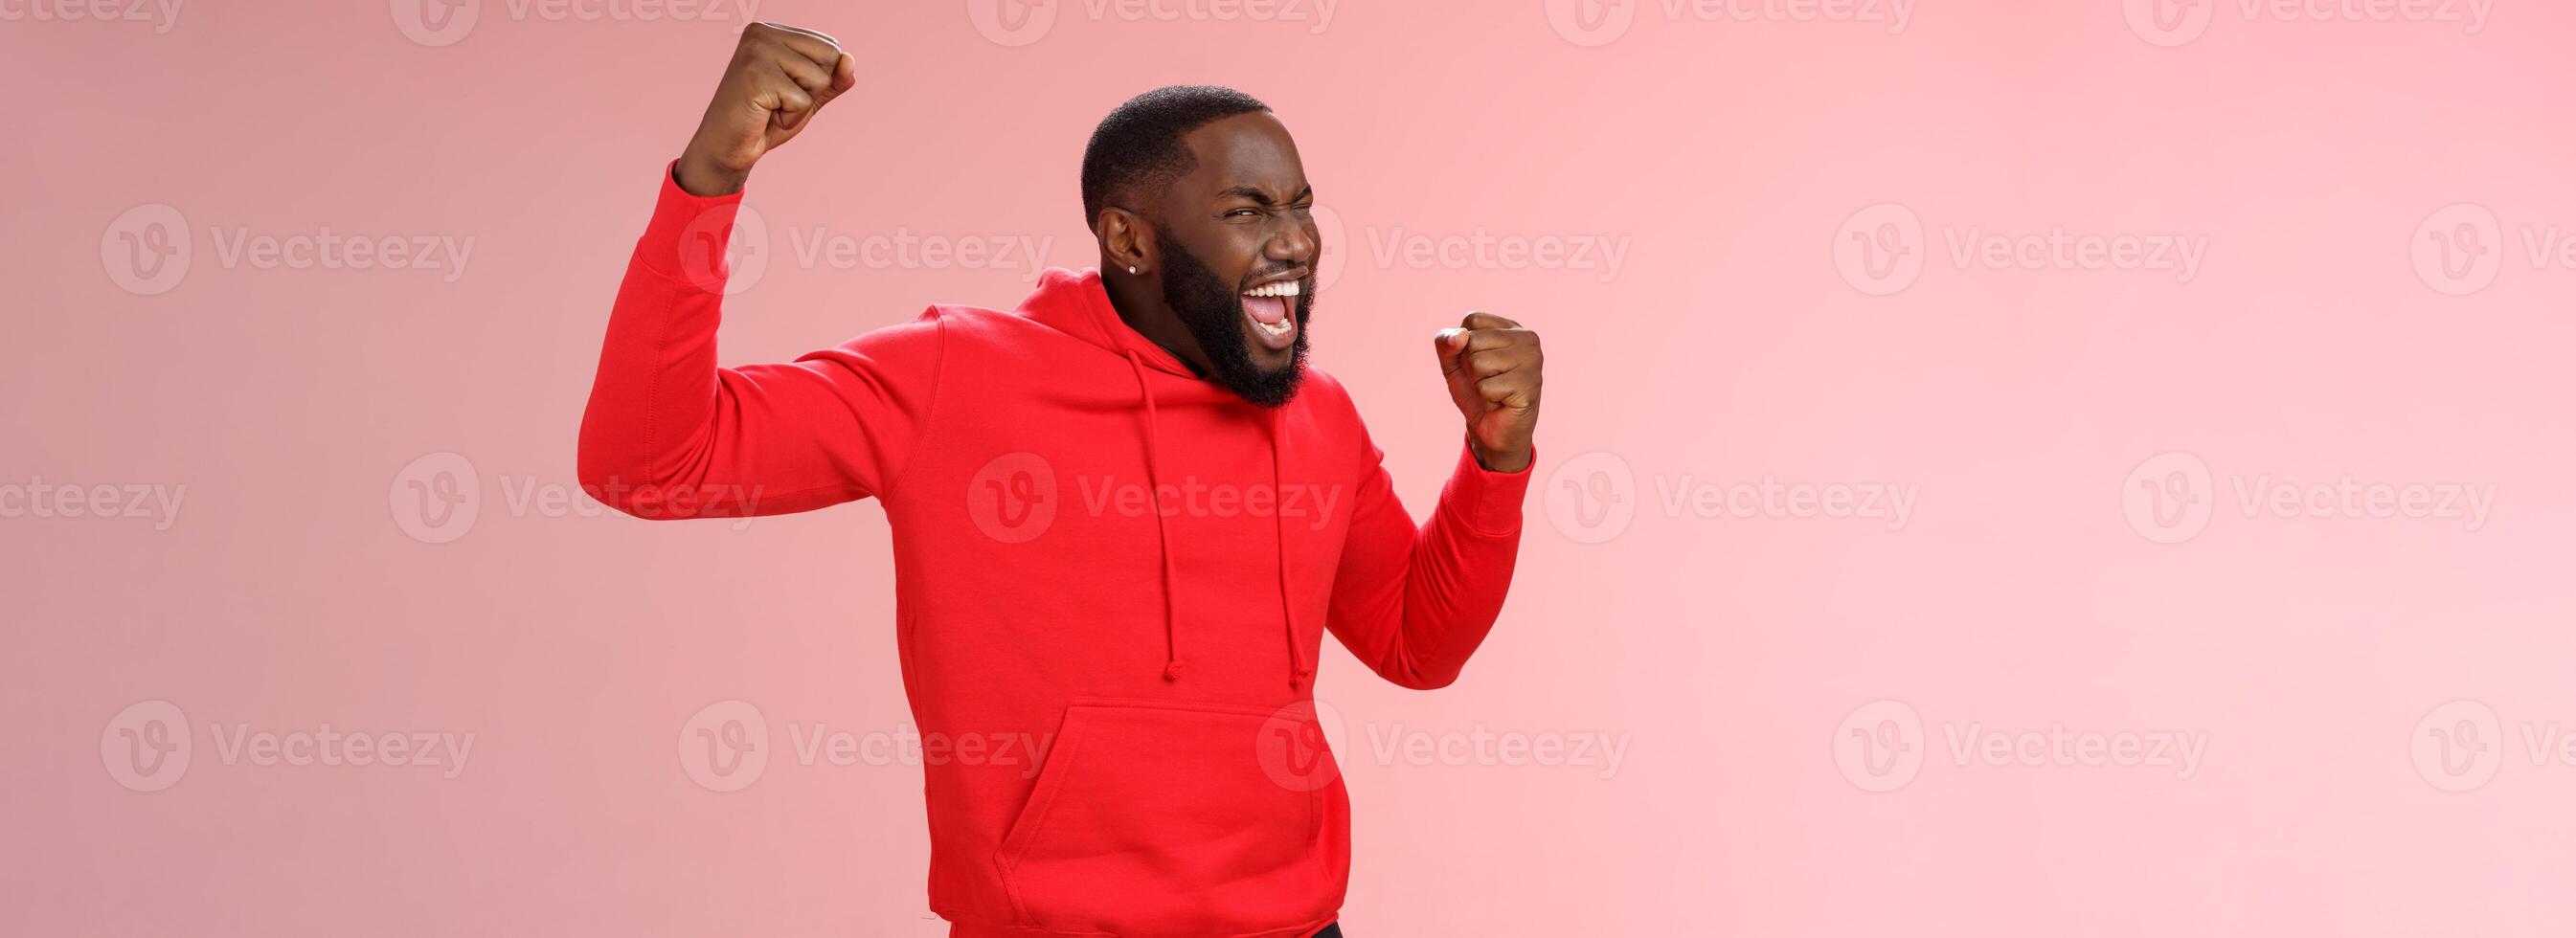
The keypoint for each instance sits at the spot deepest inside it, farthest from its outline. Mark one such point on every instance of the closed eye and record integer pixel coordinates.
(1261, 203)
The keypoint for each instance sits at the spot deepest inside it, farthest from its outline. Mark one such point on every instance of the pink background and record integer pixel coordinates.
(302, 582)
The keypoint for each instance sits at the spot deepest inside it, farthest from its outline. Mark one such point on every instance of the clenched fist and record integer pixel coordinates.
(779, 76)
(1493, 369)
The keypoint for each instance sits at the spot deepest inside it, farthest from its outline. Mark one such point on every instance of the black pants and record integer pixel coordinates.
(1333, 930)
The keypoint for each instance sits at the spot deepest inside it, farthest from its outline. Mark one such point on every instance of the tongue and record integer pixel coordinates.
(1268, 310)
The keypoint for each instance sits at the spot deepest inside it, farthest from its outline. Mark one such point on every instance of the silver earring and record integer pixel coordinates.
(1131, 270)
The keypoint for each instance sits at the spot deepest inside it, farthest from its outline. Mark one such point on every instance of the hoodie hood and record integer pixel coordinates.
(1076, 303)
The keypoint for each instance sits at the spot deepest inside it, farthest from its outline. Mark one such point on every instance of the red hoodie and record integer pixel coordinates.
(1125, 693)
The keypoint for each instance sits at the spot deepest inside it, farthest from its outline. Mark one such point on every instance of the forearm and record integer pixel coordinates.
(669, 434)
(1422, 600)
(645, 433)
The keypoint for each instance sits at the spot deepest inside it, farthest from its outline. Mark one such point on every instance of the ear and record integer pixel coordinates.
(1127, 241)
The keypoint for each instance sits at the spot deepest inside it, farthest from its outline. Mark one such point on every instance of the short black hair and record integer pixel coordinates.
(1139, 144)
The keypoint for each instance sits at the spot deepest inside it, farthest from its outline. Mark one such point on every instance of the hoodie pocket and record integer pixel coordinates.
(1153, 817)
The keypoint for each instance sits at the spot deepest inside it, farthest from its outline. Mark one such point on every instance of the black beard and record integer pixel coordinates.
(1213, 311)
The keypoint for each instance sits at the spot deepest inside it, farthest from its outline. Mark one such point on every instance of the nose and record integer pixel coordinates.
(1294, 243)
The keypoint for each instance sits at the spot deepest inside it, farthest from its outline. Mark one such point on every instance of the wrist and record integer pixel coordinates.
(1506, 461)
(705, 179)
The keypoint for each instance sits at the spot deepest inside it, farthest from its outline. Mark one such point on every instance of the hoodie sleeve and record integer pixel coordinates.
(668, 434)
(1412, 603)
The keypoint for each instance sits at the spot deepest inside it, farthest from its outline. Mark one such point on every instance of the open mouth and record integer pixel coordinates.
(1270, 308)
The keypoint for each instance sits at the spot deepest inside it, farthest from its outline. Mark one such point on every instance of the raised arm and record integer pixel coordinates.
(667, 433)
(1414, 602)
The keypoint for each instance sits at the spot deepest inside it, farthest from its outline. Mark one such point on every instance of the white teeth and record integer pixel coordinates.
(1282, 288)
(1280, 329)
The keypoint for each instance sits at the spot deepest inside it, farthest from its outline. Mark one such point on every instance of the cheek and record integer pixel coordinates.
(1235, 256)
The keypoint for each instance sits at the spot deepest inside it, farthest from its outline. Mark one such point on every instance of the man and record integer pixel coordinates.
(1124, 514)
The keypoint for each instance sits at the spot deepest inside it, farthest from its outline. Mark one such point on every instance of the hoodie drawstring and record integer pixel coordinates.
(1299, 671)
(1172, 662)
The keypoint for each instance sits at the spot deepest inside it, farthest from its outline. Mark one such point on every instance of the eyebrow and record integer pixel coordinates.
(1256, 195)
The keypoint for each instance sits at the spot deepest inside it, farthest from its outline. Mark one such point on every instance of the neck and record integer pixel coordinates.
(1139, 302)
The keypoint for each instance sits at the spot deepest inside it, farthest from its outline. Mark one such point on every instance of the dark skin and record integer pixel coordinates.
(1244, 212)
